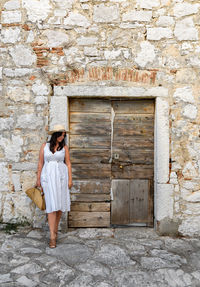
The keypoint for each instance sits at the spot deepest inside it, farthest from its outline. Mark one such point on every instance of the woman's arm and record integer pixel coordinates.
(68, 163)
(40, 164)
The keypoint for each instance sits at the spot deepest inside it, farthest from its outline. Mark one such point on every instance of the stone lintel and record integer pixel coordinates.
(98, 91)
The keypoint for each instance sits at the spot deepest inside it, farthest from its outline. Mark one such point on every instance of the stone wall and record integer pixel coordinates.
(126, 43)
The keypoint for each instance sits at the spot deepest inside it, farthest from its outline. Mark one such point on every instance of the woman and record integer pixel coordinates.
(55, 176)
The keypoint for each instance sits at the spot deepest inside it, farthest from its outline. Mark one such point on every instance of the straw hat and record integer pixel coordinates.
(58, 128)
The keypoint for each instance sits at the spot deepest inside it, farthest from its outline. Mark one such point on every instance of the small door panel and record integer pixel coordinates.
(120, 204)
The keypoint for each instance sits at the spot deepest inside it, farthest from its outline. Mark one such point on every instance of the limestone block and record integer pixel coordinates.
(24, 166)
(4, 177)
(12, 148)
(6, 123)
(173, 178)
(185, 30)
(85, 6)
(101, 91)
(37, 10)
(56, 38)
(8, 209)
(184, 94)
(162, 142)
(19, 94)
(118, 37)
(158, 33)
(111, 55)
(10, 35)
(165, 21)
(186, 76)
(76, 19)
(41, 100)
(19, 72)
(165, 2)
(9, 17)
(30, 37)
(190, 112)
(16, 181)
(194, 197)
(60, 13)
(192, 209)
(12, 5)
(1, 73)
(139, 16)
(67, 4)
(87, 41)
(146, 55)
(194, 61)
(22, 55)
(29, 121)
(106, 14)
(59, 112)
(28, 178)
(148, 4)
(185, 9)
(190, 226)
(91, 51)
(40, 89)
(189, 170)
(164, 201)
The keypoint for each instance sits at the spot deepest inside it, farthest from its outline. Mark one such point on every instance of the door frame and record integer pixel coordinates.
(163, 191)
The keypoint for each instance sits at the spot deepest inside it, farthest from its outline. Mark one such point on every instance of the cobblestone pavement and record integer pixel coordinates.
(99, 257)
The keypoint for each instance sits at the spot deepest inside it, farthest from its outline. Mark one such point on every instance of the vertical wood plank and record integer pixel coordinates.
(120, 203)
(139, 193)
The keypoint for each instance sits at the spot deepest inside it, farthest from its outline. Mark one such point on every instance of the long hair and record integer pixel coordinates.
(53, 141)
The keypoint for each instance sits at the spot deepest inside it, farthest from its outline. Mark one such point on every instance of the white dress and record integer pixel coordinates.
(54, 180)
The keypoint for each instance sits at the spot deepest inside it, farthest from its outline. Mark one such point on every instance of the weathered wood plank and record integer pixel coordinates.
(136, 118)
(133, 130)
(137, 154)
(133, 171)
(120, 203)
(77, 141)
(89, 118)
(91, 186)
(150, 221)
(134, 106)
(133, 161)
(139, 191)
(88, 171)
(83, 128)
(89, 155)
(90, 206)
(133, 142)
(83, 197)
(88, 105)
(89, 219)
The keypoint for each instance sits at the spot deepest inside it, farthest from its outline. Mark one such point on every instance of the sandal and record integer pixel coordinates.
(52, 243)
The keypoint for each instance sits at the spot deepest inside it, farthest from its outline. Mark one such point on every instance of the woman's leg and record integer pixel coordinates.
(58, 217)
(52, 224)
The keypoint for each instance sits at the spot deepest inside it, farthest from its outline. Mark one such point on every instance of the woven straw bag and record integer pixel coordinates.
(37, 196)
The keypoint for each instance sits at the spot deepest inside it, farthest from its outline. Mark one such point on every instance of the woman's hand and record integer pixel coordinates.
(70, 184)
(38, 184)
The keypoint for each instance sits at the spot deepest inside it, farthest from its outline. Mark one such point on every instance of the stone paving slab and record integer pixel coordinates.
(100, 257)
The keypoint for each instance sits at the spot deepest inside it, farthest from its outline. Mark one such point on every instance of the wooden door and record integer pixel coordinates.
(132, 162)
(90, 133)
(111, 149)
